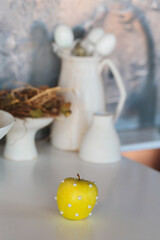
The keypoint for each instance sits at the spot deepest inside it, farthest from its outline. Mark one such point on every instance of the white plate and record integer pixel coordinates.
(6, 122)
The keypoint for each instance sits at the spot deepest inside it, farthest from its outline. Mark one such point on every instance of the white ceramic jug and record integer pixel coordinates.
(101, 143)
(83, 76)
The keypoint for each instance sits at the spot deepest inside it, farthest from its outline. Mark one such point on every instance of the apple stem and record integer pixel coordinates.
(78, 176)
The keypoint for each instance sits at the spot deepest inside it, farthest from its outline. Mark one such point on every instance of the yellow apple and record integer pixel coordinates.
(76, 198)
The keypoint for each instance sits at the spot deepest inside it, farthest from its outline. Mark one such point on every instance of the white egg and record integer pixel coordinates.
(63, 36)
(90, 49)
(88, 46)
(95, 34)
(106, 44)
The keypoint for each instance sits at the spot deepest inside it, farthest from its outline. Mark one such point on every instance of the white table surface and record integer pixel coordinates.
(128, 207)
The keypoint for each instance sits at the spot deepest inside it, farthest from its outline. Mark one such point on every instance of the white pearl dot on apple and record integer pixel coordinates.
(76, 214)
(90, 214)
(61, 212)
(69, 205)
(89, 206)
(62, 181)
(74, 184)
(90, 185)
(97, 197)
(79, 197)
(55, 198)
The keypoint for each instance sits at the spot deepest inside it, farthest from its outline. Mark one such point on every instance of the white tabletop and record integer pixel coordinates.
(128, 207)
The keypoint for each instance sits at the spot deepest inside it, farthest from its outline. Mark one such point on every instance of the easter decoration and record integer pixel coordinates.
(83, 61)
(34, 102)
(76, 198)
(96, 42)
(64, 38)
(33, 109)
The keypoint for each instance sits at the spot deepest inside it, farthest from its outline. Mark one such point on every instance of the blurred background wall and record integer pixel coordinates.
(26, 34)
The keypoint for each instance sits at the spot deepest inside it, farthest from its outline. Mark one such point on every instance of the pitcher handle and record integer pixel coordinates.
(119, 83)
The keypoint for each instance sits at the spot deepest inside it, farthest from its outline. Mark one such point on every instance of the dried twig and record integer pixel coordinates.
(35, 102)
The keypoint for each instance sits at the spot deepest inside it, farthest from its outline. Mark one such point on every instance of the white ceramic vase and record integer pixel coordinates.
(20, 143)
(101, 143)
(83, 76)
(6, 122)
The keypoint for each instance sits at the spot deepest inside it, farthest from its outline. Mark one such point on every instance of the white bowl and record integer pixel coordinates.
(6, 122)
(20, 141)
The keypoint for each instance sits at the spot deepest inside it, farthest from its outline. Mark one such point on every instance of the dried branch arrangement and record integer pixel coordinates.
(34, 102)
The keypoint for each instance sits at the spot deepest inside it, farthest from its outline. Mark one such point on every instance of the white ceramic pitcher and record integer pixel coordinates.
(83, 76)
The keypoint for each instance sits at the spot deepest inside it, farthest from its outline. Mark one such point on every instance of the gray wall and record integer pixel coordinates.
(26, 33)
